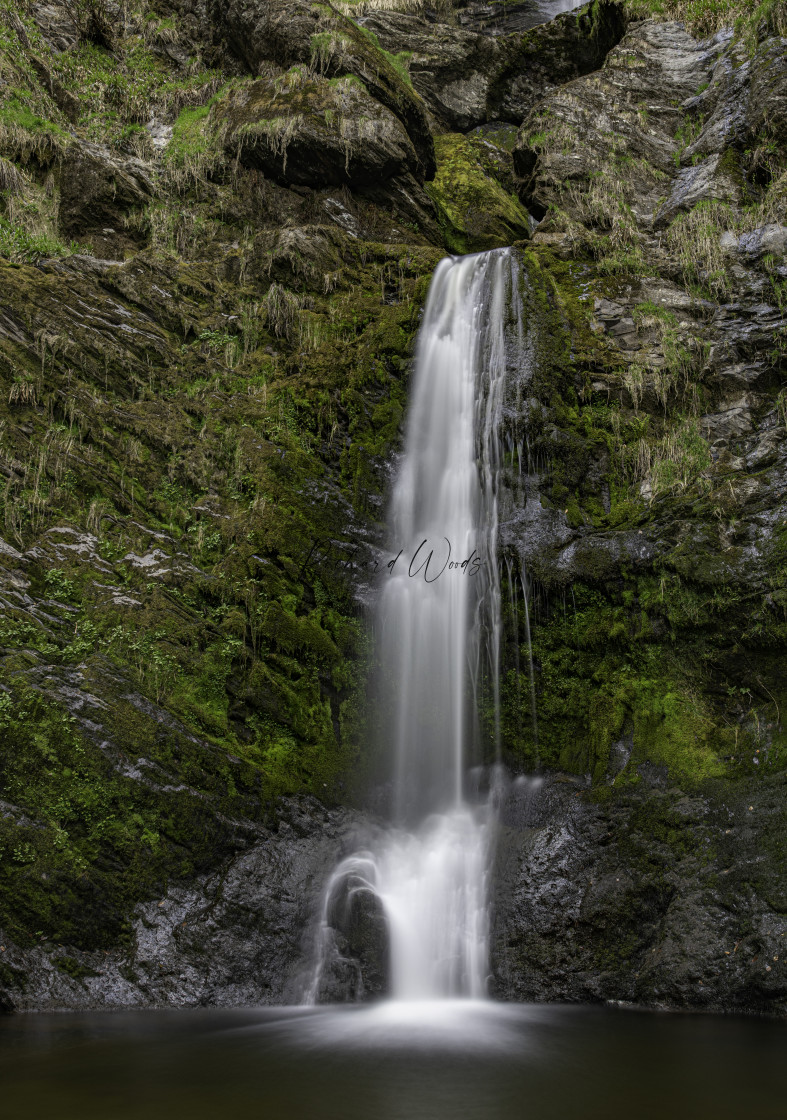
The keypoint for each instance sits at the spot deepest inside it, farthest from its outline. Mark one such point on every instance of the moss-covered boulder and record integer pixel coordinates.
(287, 32)
(312, 131)
(475, 209)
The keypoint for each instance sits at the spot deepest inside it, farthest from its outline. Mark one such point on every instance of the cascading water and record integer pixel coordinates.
(438, 639)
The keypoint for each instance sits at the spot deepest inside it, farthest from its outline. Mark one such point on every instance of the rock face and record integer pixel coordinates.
(467, 78)
(653, 900)
(655, 208)
(215, 242)
(243, 934)
(689, 312)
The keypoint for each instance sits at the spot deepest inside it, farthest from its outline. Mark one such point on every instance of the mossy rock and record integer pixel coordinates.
(287, 32)
(476, 211)
(305, 129)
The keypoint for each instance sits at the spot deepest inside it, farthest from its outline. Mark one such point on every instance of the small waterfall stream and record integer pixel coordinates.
(438, 631)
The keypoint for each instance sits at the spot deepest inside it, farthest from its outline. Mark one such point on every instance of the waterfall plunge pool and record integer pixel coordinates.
(447, 1060)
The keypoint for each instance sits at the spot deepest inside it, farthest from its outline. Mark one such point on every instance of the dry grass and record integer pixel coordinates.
(695, 239)
(773, 205)
(363, 7)
(277, 132)
(281, 311)
(20, 144)
(705, 17)
(12, 179)
(23, 390)
(674, 463)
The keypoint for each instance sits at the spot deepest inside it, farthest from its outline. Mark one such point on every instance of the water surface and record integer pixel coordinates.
(444, 1061)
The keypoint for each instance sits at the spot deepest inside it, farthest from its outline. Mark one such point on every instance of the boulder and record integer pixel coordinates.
(97, 191)
(304, 129)
(356, 965)
(287, 32)
(466, 77)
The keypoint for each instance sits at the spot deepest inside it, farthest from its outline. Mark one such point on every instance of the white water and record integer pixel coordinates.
(438, 628)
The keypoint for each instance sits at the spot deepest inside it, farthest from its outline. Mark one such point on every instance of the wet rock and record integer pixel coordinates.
(766, 110)
(356, 965)
(243, 934)
(650, 68)
(615, 885)
(466, 78)
(641, 899)
(661, 122)
(771, 238)
(97, 191)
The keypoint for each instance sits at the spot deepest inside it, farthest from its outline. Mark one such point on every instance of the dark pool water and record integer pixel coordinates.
(393, 1062)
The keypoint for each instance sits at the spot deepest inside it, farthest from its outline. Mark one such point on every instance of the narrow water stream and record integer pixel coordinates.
(438, 635)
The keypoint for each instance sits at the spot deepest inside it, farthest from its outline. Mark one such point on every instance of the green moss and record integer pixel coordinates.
(399, 62)
(71, 967)
(599, 676)
(476, 211)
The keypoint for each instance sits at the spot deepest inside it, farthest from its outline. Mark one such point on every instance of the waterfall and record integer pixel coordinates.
(438, 640)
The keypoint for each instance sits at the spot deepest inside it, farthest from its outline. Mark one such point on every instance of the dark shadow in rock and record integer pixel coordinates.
(358, 965)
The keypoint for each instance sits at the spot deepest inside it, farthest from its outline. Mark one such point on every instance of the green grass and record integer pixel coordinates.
(16, 244)
(15, 112)
(704, 17)
(398, 61)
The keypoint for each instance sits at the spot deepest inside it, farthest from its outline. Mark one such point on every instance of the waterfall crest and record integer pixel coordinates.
(438, 638)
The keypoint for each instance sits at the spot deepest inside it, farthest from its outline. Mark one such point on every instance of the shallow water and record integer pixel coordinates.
(443, 1061)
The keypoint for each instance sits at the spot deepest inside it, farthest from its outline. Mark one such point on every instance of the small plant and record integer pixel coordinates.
(24, 853)
(23, 389)
(280, 309)
(674, 463)
(17, 244)
(6, 710)
(58, 585)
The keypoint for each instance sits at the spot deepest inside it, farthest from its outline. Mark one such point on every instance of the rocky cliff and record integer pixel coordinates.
(218, 226)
